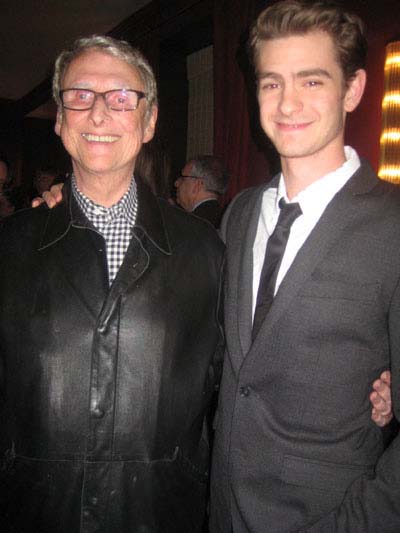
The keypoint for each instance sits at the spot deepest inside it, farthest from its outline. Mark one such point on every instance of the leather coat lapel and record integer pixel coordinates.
(80, 251)
(77, 251)
(340, 212)
(149, 232)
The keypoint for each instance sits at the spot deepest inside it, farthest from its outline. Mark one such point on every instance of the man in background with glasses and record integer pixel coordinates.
(107, 364)
(199, 187)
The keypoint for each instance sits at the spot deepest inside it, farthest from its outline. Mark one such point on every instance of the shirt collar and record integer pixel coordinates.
(314, 198)
(126, 207)
(150, 218)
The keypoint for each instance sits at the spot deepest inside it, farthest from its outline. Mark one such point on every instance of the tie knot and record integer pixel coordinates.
(288, 213)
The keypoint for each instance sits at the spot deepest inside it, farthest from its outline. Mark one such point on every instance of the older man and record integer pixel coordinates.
(108, 326)
(199, 187)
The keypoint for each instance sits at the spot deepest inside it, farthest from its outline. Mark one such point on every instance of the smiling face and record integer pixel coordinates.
(103, 143)
(303, 98)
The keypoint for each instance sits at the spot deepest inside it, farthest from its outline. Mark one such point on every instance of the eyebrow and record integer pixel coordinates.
(301, 74)
(314, 72)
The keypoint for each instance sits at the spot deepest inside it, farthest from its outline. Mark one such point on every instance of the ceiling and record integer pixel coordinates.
(34, 31)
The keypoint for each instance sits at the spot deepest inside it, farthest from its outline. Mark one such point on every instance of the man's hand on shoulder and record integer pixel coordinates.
(381, 400)
(51, 197)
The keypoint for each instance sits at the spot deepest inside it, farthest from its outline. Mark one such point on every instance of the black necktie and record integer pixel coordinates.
(273, 256)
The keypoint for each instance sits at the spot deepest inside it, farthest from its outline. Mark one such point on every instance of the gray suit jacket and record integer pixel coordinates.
(295, 448)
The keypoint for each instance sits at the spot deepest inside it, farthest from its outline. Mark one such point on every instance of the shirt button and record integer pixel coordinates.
(93, 500)
(244, 392)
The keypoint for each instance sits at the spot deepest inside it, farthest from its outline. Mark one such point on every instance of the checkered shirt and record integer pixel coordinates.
(114, 223)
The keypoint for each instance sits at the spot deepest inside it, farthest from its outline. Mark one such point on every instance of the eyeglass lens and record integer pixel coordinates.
(118, 99)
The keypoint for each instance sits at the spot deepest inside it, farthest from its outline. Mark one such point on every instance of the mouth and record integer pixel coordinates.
(292, 127)
(100, 138)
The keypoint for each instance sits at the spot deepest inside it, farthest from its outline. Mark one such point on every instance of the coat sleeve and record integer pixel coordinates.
(373, 504)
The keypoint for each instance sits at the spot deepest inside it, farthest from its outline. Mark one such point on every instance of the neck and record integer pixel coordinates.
(301, 172)
(105, 191)
(205, 195)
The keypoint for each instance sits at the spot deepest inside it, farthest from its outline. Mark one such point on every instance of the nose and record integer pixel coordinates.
(99, 111)
(178, 181)
(290, 100)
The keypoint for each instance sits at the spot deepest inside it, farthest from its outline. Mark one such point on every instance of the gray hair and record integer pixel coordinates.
(114, 47)
(211, 170)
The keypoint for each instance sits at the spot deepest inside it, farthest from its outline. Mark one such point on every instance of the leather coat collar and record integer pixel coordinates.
(149, 220)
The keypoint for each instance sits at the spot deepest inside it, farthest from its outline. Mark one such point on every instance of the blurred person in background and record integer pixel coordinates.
(199, 187)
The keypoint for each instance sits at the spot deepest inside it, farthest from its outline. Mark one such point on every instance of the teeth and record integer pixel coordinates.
(99, 138)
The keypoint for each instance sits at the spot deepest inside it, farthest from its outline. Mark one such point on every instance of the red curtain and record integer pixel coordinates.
(237, 140)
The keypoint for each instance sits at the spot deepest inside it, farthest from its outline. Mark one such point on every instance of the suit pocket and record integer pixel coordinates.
(338, 290)
(321, 475)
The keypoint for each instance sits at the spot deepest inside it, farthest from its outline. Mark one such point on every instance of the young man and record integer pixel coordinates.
(312, 305)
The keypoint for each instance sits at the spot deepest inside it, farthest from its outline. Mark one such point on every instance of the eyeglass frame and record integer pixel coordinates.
(140, 95)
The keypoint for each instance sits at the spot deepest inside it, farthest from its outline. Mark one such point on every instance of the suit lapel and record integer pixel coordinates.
(245, 281)
(340, 212)
(240, 278)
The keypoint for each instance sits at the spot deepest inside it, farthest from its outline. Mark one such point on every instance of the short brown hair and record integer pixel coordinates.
(298, 17)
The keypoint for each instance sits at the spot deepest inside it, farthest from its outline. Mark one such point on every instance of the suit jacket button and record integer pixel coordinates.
(244, 392)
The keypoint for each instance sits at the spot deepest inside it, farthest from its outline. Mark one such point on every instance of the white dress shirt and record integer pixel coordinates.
(313, 201)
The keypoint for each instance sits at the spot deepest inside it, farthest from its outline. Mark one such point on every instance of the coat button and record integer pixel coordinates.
(97, 412)
(244, 392)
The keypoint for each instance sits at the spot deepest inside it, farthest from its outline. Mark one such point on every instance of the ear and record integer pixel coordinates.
(200, 185)
(355, 90)
(57, 125)
(151, 125)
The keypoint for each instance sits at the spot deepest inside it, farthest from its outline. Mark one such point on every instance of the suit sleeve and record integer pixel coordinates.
(372, 505)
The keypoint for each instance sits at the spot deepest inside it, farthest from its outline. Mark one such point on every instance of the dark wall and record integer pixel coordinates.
(42, 149)
(383, 25)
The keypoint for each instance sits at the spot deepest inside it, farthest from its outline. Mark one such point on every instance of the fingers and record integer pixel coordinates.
(50, 199)
(55, 190)
(382, 387)
(386, 377)
(37, 201)
(381, 400)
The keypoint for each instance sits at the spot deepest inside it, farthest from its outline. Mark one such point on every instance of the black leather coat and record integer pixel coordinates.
(104, 391)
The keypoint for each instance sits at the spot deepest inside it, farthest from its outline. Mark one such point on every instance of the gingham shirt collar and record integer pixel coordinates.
(115, 223)
(99, 215)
